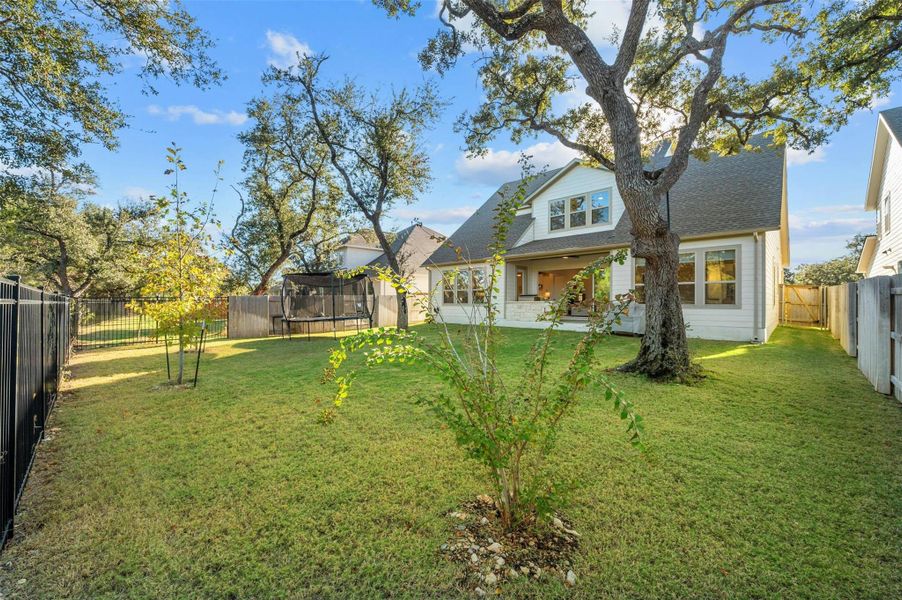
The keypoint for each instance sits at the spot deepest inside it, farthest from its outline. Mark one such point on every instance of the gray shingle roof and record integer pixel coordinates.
(893, 117)
(475, 235)
(413, 245)
(722, 195)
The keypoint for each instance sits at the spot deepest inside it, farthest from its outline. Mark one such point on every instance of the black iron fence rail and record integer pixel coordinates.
(34, 345)
(107, 322)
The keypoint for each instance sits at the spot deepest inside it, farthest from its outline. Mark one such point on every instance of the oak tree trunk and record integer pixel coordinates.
(664, 352)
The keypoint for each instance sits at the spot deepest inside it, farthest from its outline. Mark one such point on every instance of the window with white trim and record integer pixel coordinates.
(886, 214)
(579, 211)
(685, 278)
(720, 276)
(466, 286)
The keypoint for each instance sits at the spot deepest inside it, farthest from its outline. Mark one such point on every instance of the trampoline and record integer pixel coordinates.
(309, 298)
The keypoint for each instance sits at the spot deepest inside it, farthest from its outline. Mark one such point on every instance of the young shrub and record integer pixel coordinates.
(178, 269)
(506, 424)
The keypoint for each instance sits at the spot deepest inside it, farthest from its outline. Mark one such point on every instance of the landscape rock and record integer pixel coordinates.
(571, 578)
(491, 579)
(495, 547)
(479, 592)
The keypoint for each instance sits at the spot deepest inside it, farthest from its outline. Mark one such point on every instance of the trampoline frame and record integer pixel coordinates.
(335, 283)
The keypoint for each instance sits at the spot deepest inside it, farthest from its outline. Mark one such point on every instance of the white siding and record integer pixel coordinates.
(773, 281)
(709, 322)
(352, 257)
(890, 243)
(579, 180)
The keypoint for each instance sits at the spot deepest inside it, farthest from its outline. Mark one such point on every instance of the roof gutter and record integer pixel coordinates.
(592, 249)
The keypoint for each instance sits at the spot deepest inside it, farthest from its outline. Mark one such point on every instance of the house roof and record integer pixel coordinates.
(475, 235)
(413, 246)
(893, 118)
(725, 194)
(867, 254)
(889, 127)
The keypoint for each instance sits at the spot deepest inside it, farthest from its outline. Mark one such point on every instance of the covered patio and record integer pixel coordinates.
(532, 283)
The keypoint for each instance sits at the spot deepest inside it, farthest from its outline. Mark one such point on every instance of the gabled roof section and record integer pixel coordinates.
(475, 235)
(889, 130)
(413, 246)
(720, 196)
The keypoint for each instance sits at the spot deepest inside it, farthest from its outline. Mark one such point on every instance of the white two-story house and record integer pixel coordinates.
(882, 253)
(730, 213)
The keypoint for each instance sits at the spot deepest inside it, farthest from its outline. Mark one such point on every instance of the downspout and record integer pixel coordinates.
(756, 337)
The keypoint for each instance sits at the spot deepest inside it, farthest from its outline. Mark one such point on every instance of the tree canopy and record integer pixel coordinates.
(289, 198)
(56, 56)
(52, 235)
(834, 271)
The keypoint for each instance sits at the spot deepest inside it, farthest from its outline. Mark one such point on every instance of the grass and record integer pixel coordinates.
(778, 476)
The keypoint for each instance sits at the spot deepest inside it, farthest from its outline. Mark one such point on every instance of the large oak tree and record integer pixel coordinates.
(56, 57)
(290, 203)
(666, 81)
(374, 143)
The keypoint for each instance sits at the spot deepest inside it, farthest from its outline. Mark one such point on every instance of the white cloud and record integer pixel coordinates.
(199, 116)
(881, 101)
(499, 166)
(443, 216)
(285, 49)
(800, 157)
(136, 192)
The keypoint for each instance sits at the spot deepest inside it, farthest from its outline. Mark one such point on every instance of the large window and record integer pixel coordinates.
(467, 286)
(720, 277)
(578, 211)
(685, 277)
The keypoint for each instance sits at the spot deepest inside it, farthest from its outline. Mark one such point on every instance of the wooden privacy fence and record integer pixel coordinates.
(260, 316)
(803, 304)
(866, 317)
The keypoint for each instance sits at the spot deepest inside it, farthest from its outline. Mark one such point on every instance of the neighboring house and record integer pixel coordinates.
(413, 246)
(730, 213)
(882, 252)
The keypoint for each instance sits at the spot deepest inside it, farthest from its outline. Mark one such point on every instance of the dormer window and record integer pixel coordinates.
(556, 212)
(579, 211)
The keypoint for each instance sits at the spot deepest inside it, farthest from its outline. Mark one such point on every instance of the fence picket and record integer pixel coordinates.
(33, 349)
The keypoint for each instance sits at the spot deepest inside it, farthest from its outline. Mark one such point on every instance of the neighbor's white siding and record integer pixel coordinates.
(579, 180)
(357, 257)
(889, 245)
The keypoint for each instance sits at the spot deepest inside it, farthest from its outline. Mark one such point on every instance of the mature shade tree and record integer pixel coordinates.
(834, 271)
(54, 237)
(665, 82)
(56, 54)
(289, 199)
(374, 145)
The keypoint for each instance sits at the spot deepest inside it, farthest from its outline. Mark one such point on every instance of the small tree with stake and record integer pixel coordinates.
(506, 425)
(179, 270)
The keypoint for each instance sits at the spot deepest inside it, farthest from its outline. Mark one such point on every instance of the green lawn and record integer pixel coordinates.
(778, 476)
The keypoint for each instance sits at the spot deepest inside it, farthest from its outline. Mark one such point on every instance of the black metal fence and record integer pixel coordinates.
(34, 343)
(105, 322)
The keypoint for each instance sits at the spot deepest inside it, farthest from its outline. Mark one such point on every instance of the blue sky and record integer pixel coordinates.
(826, 190)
